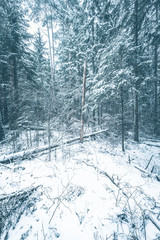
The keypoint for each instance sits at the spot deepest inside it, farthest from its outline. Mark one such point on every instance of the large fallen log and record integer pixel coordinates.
(148, 216)
(6, 159)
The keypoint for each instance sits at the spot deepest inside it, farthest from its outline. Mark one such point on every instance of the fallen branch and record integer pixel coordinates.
(108, 176)
(154, 222)
(6, 159)
(3, 165)
(149, 162)
(152, 145)
(26, 192)
(13, 205)
(140, 169)
(151, 175)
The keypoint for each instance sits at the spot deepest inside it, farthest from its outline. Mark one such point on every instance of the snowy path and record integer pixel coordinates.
(77, 202)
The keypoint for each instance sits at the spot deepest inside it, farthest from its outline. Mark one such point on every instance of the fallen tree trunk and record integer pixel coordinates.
(34, 128)
(6, 159)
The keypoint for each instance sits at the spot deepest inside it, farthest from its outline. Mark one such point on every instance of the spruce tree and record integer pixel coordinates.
(15, 43)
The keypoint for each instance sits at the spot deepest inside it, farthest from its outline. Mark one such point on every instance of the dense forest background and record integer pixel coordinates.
(74, 70)
(41, 74)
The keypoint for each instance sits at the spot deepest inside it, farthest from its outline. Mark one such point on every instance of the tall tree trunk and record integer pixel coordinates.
(49, 136)
(155, 76)
(4, 95)
(51, 90)
(136, 97)
(14, 81)
(93, 42)
(53, 66)
(155, 89)
(100, 114)
(5, 106)
(122, 98)
(83, 101)
(53, 51)
(1, 129)
(122, 117)
(93, 63)
(50, 46)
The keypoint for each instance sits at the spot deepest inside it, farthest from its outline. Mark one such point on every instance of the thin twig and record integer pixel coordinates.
(149, 162)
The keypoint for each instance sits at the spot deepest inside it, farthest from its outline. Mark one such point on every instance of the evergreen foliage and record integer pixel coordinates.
(41, 80)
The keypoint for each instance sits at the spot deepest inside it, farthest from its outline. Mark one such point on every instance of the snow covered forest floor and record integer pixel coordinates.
(89, 191)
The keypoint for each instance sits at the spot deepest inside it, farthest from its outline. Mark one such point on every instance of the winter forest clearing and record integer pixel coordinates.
(88, 191)
(80, 119)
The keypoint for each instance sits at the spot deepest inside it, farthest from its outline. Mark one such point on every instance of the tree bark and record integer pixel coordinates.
(83, 101)
(50, 46)
(1, 129)
(4, 95)
(52, 82)
(93, 62)
(15, 97)
(53, 52)
(155, 75)
(5, 106)
(19, 156)
(122, 118)
(136, 97)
